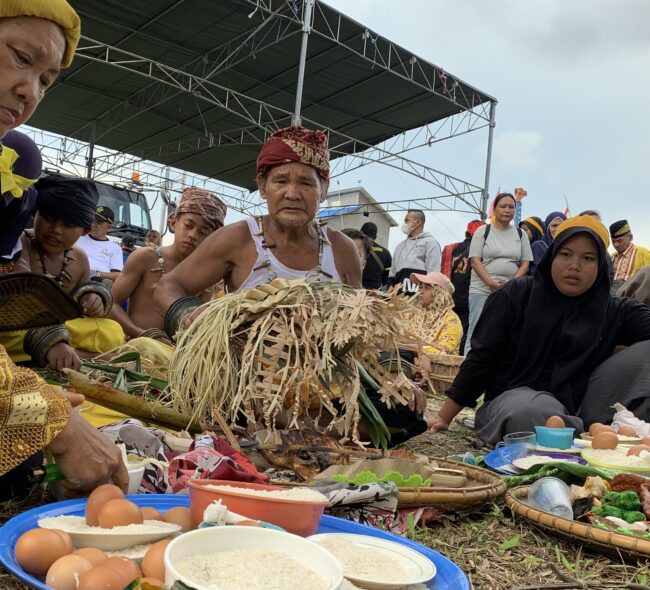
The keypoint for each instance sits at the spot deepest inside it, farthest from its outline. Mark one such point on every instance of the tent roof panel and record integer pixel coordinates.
(357, 83)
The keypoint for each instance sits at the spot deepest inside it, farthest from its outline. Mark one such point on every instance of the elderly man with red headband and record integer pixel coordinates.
(37, 39)
(287, 242)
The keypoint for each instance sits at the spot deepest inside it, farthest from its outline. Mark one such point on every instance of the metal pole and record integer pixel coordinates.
(485, 193)
(296, 119)
(90, 162)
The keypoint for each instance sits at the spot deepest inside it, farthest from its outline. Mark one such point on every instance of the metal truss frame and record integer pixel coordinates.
(262, 118)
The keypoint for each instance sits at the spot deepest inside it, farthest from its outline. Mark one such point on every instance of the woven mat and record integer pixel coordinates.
(30, 301)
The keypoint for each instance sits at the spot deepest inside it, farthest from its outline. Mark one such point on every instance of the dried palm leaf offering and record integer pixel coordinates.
(291, 346)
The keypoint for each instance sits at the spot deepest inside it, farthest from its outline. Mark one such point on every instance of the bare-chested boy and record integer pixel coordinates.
(65, 211)
(199, 213)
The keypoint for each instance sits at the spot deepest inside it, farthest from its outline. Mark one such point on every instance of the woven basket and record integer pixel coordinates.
(600, 540)
(444, 368)
(482, 486)
(31, 301)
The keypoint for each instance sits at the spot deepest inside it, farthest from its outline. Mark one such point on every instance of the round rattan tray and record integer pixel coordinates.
(482, 486)
(597, 539)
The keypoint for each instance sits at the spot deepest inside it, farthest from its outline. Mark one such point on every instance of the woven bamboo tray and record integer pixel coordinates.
(31, 301)
(483, 486)
(444, 368)
(600, 540)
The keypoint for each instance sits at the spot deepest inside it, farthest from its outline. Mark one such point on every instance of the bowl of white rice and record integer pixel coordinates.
(236, 557)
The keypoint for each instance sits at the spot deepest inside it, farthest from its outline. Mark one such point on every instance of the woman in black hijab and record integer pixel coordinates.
(544, 344)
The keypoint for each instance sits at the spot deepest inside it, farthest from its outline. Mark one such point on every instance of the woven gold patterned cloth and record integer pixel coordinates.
(32, 413)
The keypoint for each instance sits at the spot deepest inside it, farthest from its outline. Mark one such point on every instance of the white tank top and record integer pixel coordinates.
(267, 266)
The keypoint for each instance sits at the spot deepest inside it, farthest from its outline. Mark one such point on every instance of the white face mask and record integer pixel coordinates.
(406, 228)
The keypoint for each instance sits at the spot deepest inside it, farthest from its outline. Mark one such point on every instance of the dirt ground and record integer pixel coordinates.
(496, 551)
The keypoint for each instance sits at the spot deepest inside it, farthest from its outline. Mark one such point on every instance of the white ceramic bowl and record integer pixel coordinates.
(229, 538)
(135, 477)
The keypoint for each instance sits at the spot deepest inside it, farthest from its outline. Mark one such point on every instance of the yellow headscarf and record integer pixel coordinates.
(585, 221)
(58, 11)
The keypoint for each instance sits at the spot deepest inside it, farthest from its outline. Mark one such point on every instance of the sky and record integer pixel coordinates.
(573, 95)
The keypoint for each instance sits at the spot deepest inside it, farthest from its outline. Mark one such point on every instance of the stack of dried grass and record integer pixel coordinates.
(290, 347)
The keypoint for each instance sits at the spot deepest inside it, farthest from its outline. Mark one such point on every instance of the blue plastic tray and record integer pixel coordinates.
(449, 576)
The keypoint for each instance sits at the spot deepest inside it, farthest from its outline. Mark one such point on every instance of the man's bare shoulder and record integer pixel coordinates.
(140, 259)
(231, 237)
(78, 254)
(340, 241)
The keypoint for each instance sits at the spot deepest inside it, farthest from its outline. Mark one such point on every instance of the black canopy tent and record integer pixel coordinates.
(200, 85)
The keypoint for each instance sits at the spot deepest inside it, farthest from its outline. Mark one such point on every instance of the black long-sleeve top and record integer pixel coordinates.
(498, 336)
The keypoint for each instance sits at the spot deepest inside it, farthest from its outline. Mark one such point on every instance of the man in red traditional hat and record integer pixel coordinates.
(293, 178)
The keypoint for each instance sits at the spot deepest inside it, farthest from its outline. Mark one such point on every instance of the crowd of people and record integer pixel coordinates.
(532, 307)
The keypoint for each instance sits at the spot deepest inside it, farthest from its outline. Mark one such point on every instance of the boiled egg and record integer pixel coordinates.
(555, 422)
(149, 513)
(604, 440)
(98, 498)
(180, 516)
(127, 568)
(102, 577)
(636, 450)
(153, 562)
(65, 572)
(627, 431)
(118, 513)
(94, 556)
(37, 549)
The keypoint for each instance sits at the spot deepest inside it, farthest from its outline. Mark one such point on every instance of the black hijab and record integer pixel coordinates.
(560, 334)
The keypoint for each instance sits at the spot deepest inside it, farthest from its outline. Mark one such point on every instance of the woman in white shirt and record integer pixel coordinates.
(498, 252)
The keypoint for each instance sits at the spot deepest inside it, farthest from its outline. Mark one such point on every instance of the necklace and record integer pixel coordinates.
(315, 274)
(64, 275)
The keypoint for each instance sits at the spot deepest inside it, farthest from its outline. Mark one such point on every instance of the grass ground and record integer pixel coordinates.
(496, 551)
(499, 552)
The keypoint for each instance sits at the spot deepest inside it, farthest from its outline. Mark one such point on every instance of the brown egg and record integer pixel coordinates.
(603, 428)
(98, 498)
(65, 572)
(94, 556)
(101, 578)
(604, 440)
(636, 451)
(127, 568)
(38, 549)
(555, 422)
(66, 540)
(118, 513)
(180, 516)
(248, 523)
(645, 440)
(153, 562)
(626, 431)
(149, 513)
(151, 584)
(595, 426)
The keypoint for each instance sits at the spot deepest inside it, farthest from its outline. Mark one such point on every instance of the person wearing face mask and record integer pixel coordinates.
(419, 253)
